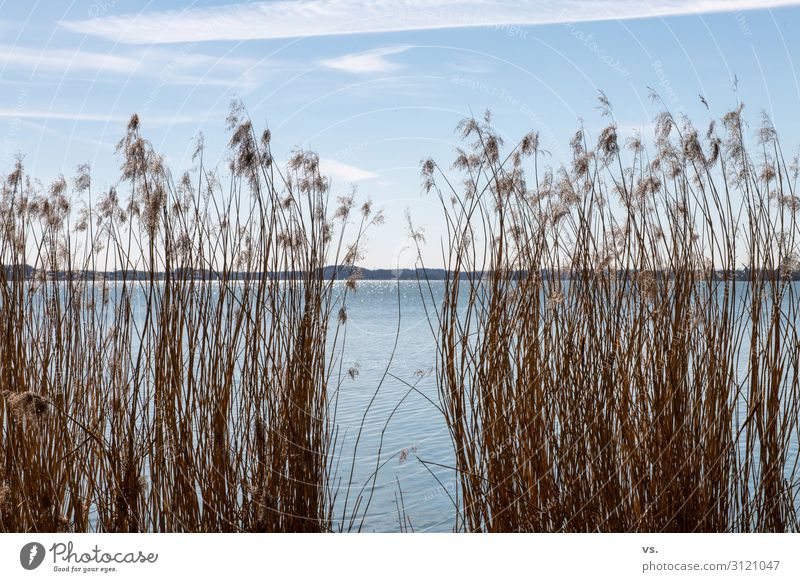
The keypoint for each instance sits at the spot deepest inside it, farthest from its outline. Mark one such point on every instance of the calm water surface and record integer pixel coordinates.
(416, 429)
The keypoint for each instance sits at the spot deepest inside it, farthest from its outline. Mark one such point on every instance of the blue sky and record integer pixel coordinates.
(376, 86)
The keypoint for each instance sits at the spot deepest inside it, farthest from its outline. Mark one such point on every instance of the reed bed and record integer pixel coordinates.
(618, 338)
(168, 350)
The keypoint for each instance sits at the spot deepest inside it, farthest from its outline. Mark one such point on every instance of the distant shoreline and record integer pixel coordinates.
(346, 272)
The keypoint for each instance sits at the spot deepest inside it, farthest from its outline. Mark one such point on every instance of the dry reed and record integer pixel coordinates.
(166, 359)
(618, 339)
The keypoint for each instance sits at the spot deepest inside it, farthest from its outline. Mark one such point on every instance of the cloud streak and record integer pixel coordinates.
(60, 59)
(373, 61)
(301, 18)
(344, 172)
(170, 66)
(43, 115)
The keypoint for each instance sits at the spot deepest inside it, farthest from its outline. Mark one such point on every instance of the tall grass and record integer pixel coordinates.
(599, 364)
(169, 362)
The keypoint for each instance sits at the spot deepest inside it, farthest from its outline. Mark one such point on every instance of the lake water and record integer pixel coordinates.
(416, 429)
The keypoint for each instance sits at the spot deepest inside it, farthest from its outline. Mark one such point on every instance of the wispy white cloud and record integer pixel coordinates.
(171, 66)
(646, 130)
(301, 18)
(41, 114)
(373, 61)
(59, 59)
(45, 129)
(344, 172)
(473, 66)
